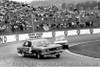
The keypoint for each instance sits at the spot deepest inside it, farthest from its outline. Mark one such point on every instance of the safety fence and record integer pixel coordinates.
(19, 37)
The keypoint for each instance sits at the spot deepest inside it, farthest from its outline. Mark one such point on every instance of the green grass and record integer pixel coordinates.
(89, 49)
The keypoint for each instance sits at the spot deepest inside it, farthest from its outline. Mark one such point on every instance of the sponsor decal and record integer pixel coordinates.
(35, 35)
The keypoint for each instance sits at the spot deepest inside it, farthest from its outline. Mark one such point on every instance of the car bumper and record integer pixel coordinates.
(52, 52)
(49, 55)
(64, 45)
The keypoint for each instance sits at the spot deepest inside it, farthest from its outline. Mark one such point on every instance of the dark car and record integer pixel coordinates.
(39, 48)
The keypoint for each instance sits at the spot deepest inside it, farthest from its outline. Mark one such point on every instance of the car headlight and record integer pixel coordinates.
(57, 48)
(47, 50)
(60, 47)
(43, 50)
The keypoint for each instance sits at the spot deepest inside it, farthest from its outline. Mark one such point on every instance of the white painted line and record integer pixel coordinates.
(82, 55)
(79, 55)
(73, 44)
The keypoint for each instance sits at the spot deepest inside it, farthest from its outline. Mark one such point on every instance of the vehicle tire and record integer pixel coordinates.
(19, 54)
(65, 47)
(58, 56)
(22, 54)
(39, 56)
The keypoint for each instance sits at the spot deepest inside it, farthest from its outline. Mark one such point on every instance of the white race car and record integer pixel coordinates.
(40, 48)
(61, 40)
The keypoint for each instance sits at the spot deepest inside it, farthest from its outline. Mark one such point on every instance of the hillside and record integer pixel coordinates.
(55, 2)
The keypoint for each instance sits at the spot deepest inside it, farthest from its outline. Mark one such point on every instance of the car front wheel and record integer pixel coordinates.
(58, 56)
(39, 56)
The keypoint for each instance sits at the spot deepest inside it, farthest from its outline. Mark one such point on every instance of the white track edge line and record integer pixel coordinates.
(73, 44)
(83, 55)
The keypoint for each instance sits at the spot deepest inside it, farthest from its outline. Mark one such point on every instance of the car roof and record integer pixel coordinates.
(36, 40)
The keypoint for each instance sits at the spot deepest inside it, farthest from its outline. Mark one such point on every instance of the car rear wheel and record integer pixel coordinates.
(58, 56)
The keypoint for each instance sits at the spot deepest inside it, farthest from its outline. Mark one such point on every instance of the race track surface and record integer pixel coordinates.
(9, 57)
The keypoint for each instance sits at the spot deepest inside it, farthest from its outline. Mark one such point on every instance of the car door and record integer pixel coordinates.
(27, 47)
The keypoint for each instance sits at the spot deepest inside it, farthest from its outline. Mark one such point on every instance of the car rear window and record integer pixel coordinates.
(41, 43)
(27, 44)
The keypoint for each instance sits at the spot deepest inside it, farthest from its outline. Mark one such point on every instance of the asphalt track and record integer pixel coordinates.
(9, 57)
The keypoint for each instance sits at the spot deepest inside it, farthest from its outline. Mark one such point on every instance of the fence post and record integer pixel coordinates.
(65, 32)
(78, 32)
(17, 37)
(91, 31)
(53, 33)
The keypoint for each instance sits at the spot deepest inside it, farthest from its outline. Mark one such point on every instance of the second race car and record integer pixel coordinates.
(62, 41)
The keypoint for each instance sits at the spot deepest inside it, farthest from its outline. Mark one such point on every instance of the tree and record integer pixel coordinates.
(93, 5)
(98, 5)
(64, 6)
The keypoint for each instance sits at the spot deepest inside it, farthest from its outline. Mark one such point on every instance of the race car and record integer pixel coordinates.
(40, 48)
(62, 41)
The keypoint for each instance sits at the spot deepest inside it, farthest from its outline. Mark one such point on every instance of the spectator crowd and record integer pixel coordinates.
(21, 17)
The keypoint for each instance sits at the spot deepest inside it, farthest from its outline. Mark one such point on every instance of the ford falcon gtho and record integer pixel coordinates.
(40, 48)
(62, 41)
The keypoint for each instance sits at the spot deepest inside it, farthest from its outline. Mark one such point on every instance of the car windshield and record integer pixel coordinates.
(41, 43)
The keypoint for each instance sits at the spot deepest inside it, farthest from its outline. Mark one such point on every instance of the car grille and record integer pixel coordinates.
(52, 49)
